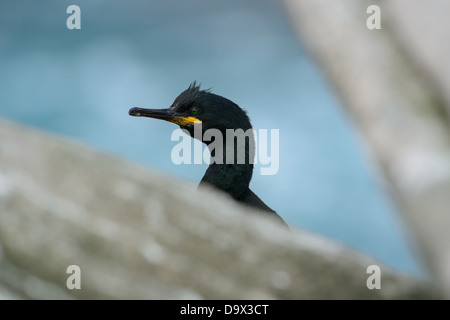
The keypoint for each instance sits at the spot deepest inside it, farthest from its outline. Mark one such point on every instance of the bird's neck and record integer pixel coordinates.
(234, 172)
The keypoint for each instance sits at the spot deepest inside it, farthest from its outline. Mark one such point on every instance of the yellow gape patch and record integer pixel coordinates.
(185, 121)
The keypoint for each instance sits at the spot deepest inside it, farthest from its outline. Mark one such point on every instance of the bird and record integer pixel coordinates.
(195, 106)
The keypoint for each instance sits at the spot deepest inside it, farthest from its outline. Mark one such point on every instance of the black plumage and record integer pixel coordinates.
(216, 112)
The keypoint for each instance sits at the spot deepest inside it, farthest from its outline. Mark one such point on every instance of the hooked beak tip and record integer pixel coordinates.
(134, 112)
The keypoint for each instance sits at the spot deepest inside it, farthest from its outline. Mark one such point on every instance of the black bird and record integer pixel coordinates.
(195, 106)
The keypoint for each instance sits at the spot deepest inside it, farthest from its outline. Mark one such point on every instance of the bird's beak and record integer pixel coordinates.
(164, 114)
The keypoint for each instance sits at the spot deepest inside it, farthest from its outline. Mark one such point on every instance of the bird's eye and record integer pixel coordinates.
(194, 111)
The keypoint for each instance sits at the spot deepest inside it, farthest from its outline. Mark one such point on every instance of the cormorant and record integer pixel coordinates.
(195, 106)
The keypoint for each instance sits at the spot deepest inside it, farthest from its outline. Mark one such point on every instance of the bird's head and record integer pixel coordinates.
(196, 106)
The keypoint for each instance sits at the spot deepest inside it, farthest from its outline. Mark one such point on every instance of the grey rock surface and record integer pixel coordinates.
(394, 82)
(137, 234)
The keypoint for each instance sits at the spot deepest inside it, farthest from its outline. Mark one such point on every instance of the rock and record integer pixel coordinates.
(394, 83)
(137, 234)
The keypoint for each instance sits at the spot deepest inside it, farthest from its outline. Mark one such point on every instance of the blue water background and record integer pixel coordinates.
(81, 83)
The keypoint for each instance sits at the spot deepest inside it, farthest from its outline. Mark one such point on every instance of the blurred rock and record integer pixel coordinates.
(394, 82)
(138, 234)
